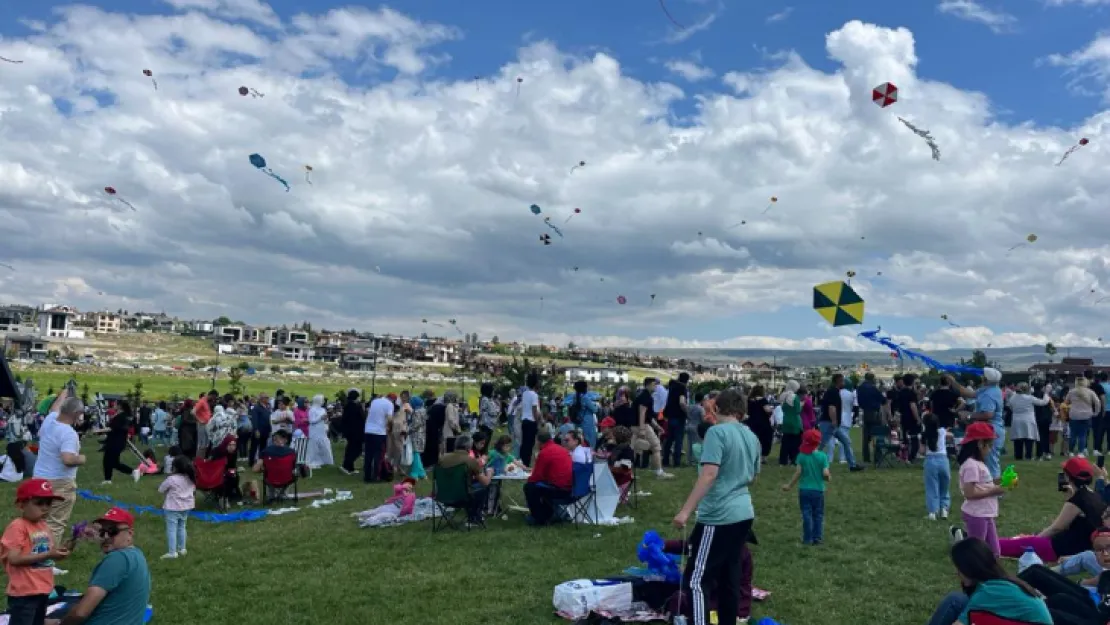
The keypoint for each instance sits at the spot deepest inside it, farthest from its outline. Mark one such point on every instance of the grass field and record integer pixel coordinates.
(881, 562)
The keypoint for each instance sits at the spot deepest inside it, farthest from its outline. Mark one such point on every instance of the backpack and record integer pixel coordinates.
(574, 411)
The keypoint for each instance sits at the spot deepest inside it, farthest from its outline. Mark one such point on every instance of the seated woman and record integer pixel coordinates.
(988, 589)
(228, 448)
(1071, 603)
(1071, 532)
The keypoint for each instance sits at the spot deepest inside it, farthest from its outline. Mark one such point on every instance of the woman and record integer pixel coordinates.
(228, 449)
(1023, 426)
(1068, 602)
(988, 590)
(451, 427)
(353, 424)
(187, 429)
(116, 443)
(1084, 405)
(791, 424)
(397, 431)
(300, 418)
(1071, 532)
(489, 409)
(1042, 414)
(418, 436)
(809, 415)
(586, 409)
(434, 425)
(319, 446)
(222, 424)
(759, 420)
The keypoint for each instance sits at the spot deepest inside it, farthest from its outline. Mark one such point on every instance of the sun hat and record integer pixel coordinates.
(36, 488)
(979, 431)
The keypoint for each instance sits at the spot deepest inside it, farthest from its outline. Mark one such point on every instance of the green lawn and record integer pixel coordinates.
(881, 562)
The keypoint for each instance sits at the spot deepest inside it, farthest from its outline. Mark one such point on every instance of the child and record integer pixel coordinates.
(938, 473)
(150, 464)
(1058, 431)
(501, 457)
(28, 551)
(811, 475)
(480, 449)
(980, 507)
(696, 448)
(621, 457)
(167, 461)
(180, 491)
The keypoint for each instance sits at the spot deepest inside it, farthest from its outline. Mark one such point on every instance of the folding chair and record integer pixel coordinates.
(210, 481)
(582, 494)
(450, 495)
(278, 476)
(886, 452)
(980, 617)
(300, 445)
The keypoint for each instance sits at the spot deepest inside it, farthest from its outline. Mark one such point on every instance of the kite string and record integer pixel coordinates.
(666, 12)
(7, 60)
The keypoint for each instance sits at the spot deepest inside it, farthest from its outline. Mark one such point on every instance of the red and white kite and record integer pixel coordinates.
(885, 94)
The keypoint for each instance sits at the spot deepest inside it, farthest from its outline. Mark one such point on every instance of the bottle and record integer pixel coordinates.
(1028, 559)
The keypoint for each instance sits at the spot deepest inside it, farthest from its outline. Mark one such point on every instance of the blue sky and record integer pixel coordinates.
(991, 47)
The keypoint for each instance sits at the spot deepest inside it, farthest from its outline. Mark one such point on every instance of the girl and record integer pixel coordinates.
(167, 461)
(989, 591)
(180, 490)
(150, 464)
(501, 457)
(1059, 429)
(300, 419)
(813, 473)
(937, 471)
(980, 507)
(480, 449)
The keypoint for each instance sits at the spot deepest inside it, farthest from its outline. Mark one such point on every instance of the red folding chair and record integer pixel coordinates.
(278, 476)
(210, 481)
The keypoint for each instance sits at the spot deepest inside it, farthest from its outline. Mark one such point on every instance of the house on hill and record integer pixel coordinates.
(1068, 367)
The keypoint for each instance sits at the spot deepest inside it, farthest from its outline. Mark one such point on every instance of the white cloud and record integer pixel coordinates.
(430, 179)
(678, 35)
(248, 10)
(971, 11)
(689, 70)
(1088, 66)
(1086, 3)
(780, 16)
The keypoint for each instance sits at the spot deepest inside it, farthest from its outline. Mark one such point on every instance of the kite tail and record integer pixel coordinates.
(574, 168)
(155, 84)
(6, 60)
(271, 174)
(1066, 155)
(556, 229)
(767, 209)
(129, 205)
(873, 335)
(565, 221)
(306, 178)
(7, 266)
(255, 93)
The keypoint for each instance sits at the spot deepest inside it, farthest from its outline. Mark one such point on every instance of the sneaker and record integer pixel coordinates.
(931, 517)
(58, 571)
(843, 462)
(956, 534)
(1082, 455)
(1098, 454)
(663, 475)
(856, 469)
(1071, 455)
(106, 483)
(181, 553)
(345, 471)
(170, 556)
(135, 475)
(944, 513)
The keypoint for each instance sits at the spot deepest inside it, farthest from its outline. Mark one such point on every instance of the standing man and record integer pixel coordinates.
(870, 400)
(911, 418)
(530, 417)
(59, 457)
(944, 403)
(675, 412)
(988, 408)
(377, 418)
(1097, 424)
(831, 418)
(260, 423)
(730, 461)
(645, 434)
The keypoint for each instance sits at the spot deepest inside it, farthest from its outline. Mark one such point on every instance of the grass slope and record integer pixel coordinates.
(881, 562)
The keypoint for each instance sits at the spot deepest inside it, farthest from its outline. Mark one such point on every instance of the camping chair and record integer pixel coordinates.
(582, 494)
(210, 481)
(279, 474)
(450, 495)
(886, 451)
(979, 617)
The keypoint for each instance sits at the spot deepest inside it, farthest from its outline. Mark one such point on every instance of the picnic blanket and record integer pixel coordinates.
(380, 516)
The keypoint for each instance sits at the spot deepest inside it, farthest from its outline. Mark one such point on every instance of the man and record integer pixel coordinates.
(730, 462)
(945, 403)
(674, 410)
(831, 418)
(277, 447)
(119, 590)
(988, 408)
(59, 457)
(1104, 431)
(203, 414)
(479, 479)
(871, 401)
(260, 421)
(695, 414)
(530, 417)
(906, 404)
(645, 437)
(847, 415)
(578, 452)
(659, 397)
(377, 418)
(552, 478)
(1097, 423)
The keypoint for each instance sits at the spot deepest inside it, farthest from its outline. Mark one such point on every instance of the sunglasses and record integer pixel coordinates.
(113, 531)
(45, 503)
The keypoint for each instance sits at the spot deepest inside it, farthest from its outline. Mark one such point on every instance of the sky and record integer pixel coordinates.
(433, 127)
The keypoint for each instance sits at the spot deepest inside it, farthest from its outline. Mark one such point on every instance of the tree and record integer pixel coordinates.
(1050, 351)
(235, 381)
(243, 366)
(571, 346)
(222, 321)
(495, 340)
(85, 393)
(275, 369)
(515, 373)
(135, 396)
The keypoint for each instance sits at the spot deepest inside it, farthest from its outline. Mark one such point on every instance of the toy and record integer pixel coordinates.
(1009, 477)
(662, 564)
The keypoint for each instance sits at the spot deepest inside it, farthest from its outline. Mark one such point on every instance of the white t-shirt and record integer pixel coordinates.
(54, 439)
(528, 400)
(942, 444)
(381, 409)
(659, 398)
(582, 454)
(847, 402)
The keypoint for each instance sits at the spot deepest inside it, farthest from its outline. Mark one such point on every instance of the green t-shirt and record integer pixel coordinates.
(124, 575)
(736, 451)
(1004, 599)
(792, 416)
(813, 467)
(696, 450)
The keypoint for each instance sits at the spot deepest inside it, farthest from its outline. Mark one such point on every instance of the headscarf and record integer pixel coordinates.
(300, 403)
(318, 401)
(220, 451)
(416, 402)
(787, 397)
(449, 397)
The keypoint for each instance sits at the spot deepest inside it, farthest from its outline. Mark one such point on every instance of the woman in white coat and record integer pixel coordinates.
(1023, 427)
(319, 446)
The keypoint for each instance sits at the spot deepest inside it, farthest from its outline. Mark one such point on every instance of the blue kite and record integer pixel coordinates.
(260, 163)
(873, 335)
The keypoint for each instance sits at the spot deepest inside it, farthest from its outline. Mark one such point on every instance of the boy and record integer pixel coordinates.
(28, 552)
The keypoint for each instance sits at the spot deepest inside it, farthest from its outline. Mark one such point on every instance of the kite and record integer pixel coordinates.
(545, 239)
(377, 269)
(878, 273)
(7, 266)
(243, 91)
(115, 196)
(873, 335)
(1029, 239)
(541, 302)
(547, 220)
(518, 81)
(652, 300)
(885, 94)
(7, 60)
(536, 210)
(950, 322)
(924, 134)
(662, 5)
(621, 300)
(308, 174)
(1082, 142)
(260, 163)
(576, 211)
(743, 222)
(149, 74)
(774, 200)
(438, 325)
(455, 324)
(838, 303)
(476, 88)
(580, 164)
(851, 274)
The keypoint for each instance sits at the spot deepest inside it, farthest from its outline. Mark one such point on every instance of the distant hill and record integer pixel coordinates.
(1009, 358)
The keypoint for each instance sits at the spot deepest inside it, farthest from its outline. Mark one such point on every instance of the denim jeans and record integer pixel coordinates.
(175, 530)
(1077, 430)
(938, 476)
(672, 448)
(994, 458)
(949, 609)
(828, 433)
(812, 503)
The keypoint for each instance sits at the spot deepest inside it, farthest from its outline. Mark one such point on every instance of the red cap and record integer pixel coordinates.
(1078, 468)
(608, 422)
(811, 440)
(36, 488)
(979, 431)
(118, 515)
